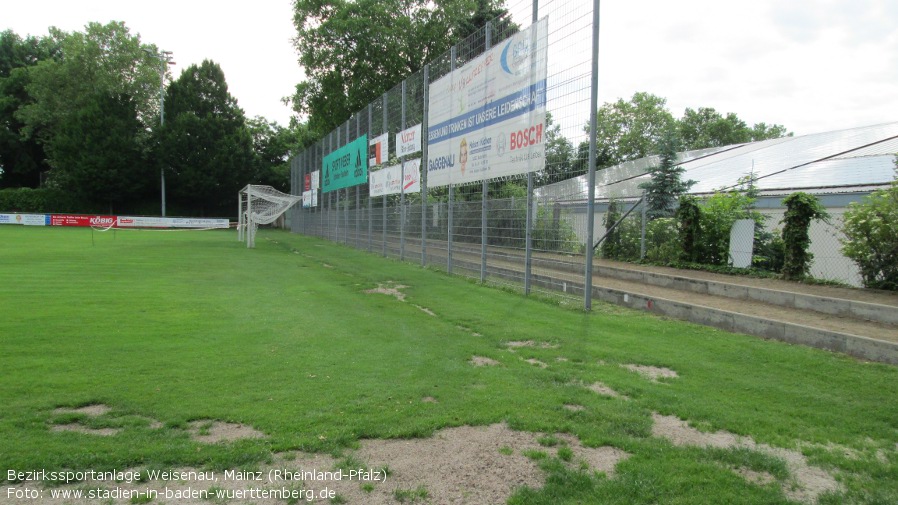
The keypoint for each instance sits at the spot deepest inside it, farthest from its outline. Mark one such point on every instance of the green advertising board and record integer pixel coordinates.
(346, 167)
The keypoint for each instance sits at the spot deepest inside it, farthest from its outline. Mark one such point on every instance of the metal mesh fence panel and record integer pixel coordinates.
(478, 229)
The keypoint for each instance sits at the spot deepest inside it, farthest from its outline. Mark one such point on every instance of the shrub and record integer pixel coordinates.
(871, 231)
(801, 209)
(689, 216)
(718, 214)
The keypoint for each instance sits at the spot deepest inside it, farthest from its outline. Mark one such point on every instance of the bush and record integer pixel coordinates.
(33, 200)
(661, 241)
(718, 214)
(801, 209)
(871, 231)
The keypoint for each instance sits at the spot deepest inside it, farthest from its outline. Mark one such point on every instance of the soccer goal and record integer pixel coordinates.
(260, 205)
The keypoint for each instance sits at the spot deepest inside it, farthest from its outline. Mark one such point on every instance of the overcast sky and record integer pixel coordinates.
(810, 65)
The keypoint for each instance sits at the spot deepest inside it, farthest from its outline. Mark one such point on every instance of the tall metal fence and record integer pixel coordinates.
(494, 230)
(511, 230)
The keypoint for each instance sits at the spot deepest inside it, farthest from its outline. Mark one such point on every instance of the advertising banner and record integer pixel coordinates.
(316, 177)
(378, 148)
(408, 141)
(307, 182)
(346, 167)
(487, 119)
(389, 180)
(35, 219)
(309, 199)
(78, 220)
(25, 219)
(169, 222)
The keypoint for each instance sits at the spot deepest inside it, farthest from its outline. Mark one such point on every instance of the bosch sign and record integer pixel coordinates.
(527, 137)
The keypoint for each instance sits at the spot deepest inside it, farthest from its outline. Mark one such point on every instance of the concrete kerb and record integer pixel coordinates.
(834, 306)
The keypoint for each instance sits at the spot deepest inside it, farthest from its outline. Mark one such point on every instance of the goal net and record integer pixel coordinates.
(260, 205)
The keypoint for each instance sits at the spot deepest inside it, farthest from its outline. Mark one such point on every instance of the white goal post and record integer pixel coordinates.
(260, 205)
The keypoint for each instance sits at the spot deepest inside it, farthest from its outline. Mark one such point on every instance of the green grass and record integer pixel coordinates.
(186, 326)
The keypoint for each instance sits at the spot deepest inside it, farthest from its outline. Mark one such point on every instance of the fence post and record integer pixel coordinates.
(370, 217)
(402, 183)
(452, 55)
(642, 235)
(424, 126)
(358, 133)
(590, 204)
(384, 213)
(485, 186)
(528, 232)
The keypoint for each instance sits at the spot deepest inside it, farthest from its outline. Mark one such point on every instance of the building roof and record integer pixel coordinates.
(820, 163)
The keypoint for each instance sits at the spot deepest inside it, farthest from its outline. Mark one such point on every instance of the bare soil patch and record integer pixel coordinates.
(482, 361)
(213, 432)
(652, 373)
(515, 344)
(95, 410)
(80, 428)
(389, 289)
(574, 407)
(426, 310)
(602, 389)
(471, 465)
(809, 481)
(536, 362)
(429, 399)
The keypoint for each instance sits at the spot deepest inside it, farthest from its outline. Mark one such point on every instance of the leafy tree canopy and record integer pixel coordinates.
(354, 50)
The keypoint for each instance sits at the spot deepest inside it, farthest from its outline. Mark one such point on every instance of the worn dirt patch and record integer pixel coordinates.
(429, 399)
(80, 428)
(389, 289)
(652, 373)
(482, 361)
(95, 410)
(536, 362)
(574, 407)
(515, 344)
(758, 478)
(602, 389)
(213, 432)
(426, 310)
(809, 481)
(470, 465)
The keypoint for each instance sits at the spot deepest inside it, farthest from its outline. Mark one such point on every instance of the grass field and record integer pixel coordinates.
(184, 326)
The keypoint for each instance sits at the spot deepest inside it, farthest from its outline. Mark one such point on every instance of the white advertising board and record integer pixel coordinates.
(487, 119)
(169, 222)
(378, 149)
(408, 141)
(389, 180)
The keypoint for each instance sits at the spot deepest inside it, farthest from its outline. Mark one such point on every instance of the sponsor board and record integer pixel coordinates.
(316, 178)
(82, 220)
(393, 180)
(378, 147)
(169, 222)
(307, 182)
(25, 219)
(408, 141)
(309, 199)
(487, 118)
(346, 167)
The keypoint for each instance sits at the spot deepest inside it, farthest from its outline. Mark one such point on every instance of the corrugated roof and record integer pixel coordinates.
(853, 157)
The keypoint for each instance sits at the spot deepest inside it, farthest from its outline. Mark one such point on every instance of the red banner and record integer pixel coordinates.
(308, 182)
(76, 220)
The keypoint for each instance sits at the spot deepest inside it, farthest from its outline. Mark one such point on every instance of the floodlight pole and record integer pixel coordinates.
(164, 58)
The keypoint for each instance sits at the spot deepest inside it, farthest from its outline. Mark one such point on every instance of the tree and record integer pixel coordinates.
(706, 127)
(352, 52)
(630, 130)
(273, 145)
(205, 144)
(104, 59)
(100, 158)
(21, 159)
(666, 185)
(559, 155)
